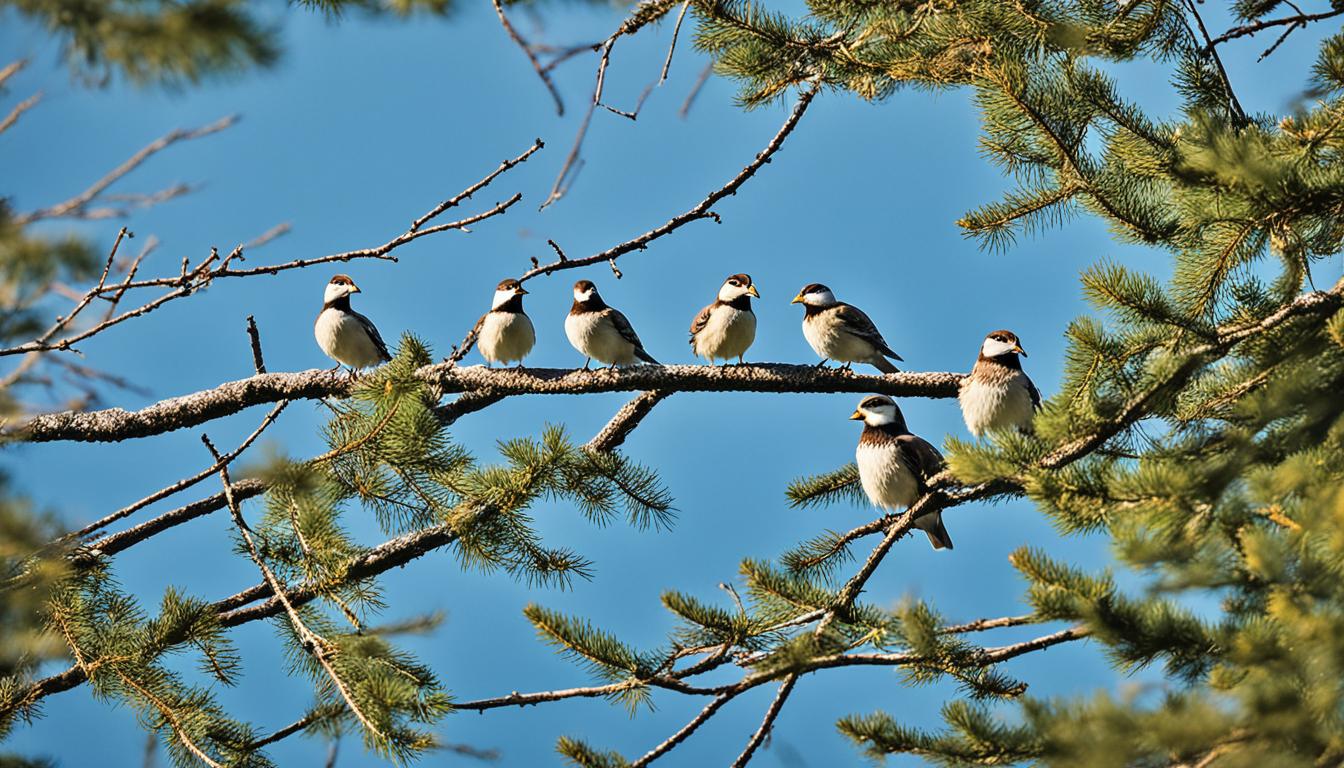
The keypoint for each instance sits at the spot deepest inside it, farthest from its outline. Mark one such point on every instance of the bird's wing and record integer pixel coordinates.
(701, 320)
(922, 458)
(627, 331)
(623, 327)
(859, 324)
(1033, 391)
(373, 334)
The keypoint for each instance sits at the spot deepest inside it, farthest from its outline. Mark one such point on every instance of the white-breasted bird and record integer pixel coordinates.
(601, 332)
(725, 329)
(895, 466)
(840, 331)
(998, 394)
(505, 333)
(344, 335)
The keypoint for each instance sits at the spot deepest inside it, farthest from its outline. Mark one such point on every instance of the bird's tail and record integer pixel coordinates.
(932, 525)
(645, 356)
(883, 364)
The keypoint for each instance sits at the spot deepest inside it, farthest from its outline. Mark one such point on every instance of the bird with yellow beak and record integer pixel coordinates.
(725, 329)
(998, 394)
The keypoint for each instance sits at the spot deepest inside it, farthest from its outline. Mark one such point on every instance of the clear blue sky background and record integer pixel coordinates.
(364, 126)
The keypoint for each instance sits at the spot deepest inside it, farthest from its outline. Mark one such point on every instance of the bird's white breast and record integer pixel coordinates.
(593, 334)
(995, 405)
(886, 479)
(506, 336)
(343, 338)
(828, 338)
(727, 334)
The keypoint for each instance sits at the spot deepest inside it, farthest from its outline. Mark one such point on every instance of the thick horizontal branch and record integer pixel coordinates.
(115, 424)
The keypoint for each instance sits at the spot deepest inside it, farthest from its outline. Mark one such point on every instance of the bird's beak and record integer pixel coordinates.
(857, 415)
(1019, 350)
(797, 299)
(355, 289)
(751, 291)
(520, 290)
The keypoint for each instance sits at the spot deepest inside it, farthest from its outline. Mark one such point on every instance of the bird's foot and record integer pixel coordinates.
(823, 363)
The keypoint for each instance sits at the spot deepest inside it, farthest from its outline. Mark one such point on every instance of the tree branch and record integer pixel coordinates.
(624, 422)
(76, 205)
(700, 211)
(115, 424)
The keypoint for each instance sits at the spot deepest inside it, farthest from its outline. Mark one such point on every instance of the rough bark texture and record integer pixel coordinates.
(115, 424)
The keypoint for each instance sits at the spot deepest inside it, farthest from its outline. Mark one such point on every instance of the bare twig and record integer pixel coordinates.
(1212, 51)
(254, 340)
(672, 48)
(283, 228)
(11, 69)
(182, 484)
(191, 279)
(77, 205)
(702, 210)
(1244, 30)
(542, 72)
(478, 186)
(644, 14)
(313, 643)
(19, 109)
(695, 90)
(767, 722)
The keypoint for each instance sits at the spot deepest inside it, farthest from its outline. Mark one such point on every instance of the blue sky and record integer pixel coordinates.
(363, 127)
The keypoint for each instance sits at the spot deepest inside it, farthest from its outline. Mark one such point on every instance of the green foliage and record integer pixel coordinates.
(172, 43)
(180, 42)
(123, 653)
(580, 754)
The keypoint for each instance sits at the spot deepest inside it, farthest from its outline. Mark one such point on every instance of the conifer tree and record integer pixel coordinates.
(1200, 428)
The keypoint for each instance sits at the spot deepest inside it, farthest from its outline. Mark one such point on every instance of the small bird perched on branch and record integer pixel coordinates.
(505, 333)
(998, 394)
(344, 335)
(601, 332)
(725, 329)
(840, 331)
(895, 466)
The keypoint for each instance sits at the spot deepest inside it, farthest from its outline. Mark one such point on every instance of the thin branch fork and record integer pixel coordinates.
(78, 204)
(115, 424)
(542, 72)
(312, 642)
(190, 279)
(701, 211)
(1301, 19)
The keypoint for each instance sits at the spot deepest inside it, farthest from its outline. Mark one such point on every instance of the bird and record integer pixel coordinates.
(601, 332)
(505, 333)
(998, 394)
(840, 331)
(725, 329)
(895, 466)
(344, 335)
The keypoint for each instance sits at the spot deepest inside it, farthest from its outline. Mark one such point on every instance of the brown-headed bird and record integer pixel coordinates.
(896, 466)
(344, 335)
(725, 329)
(505, 333)
(998, 394)
(840, 331)
(601, 332)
